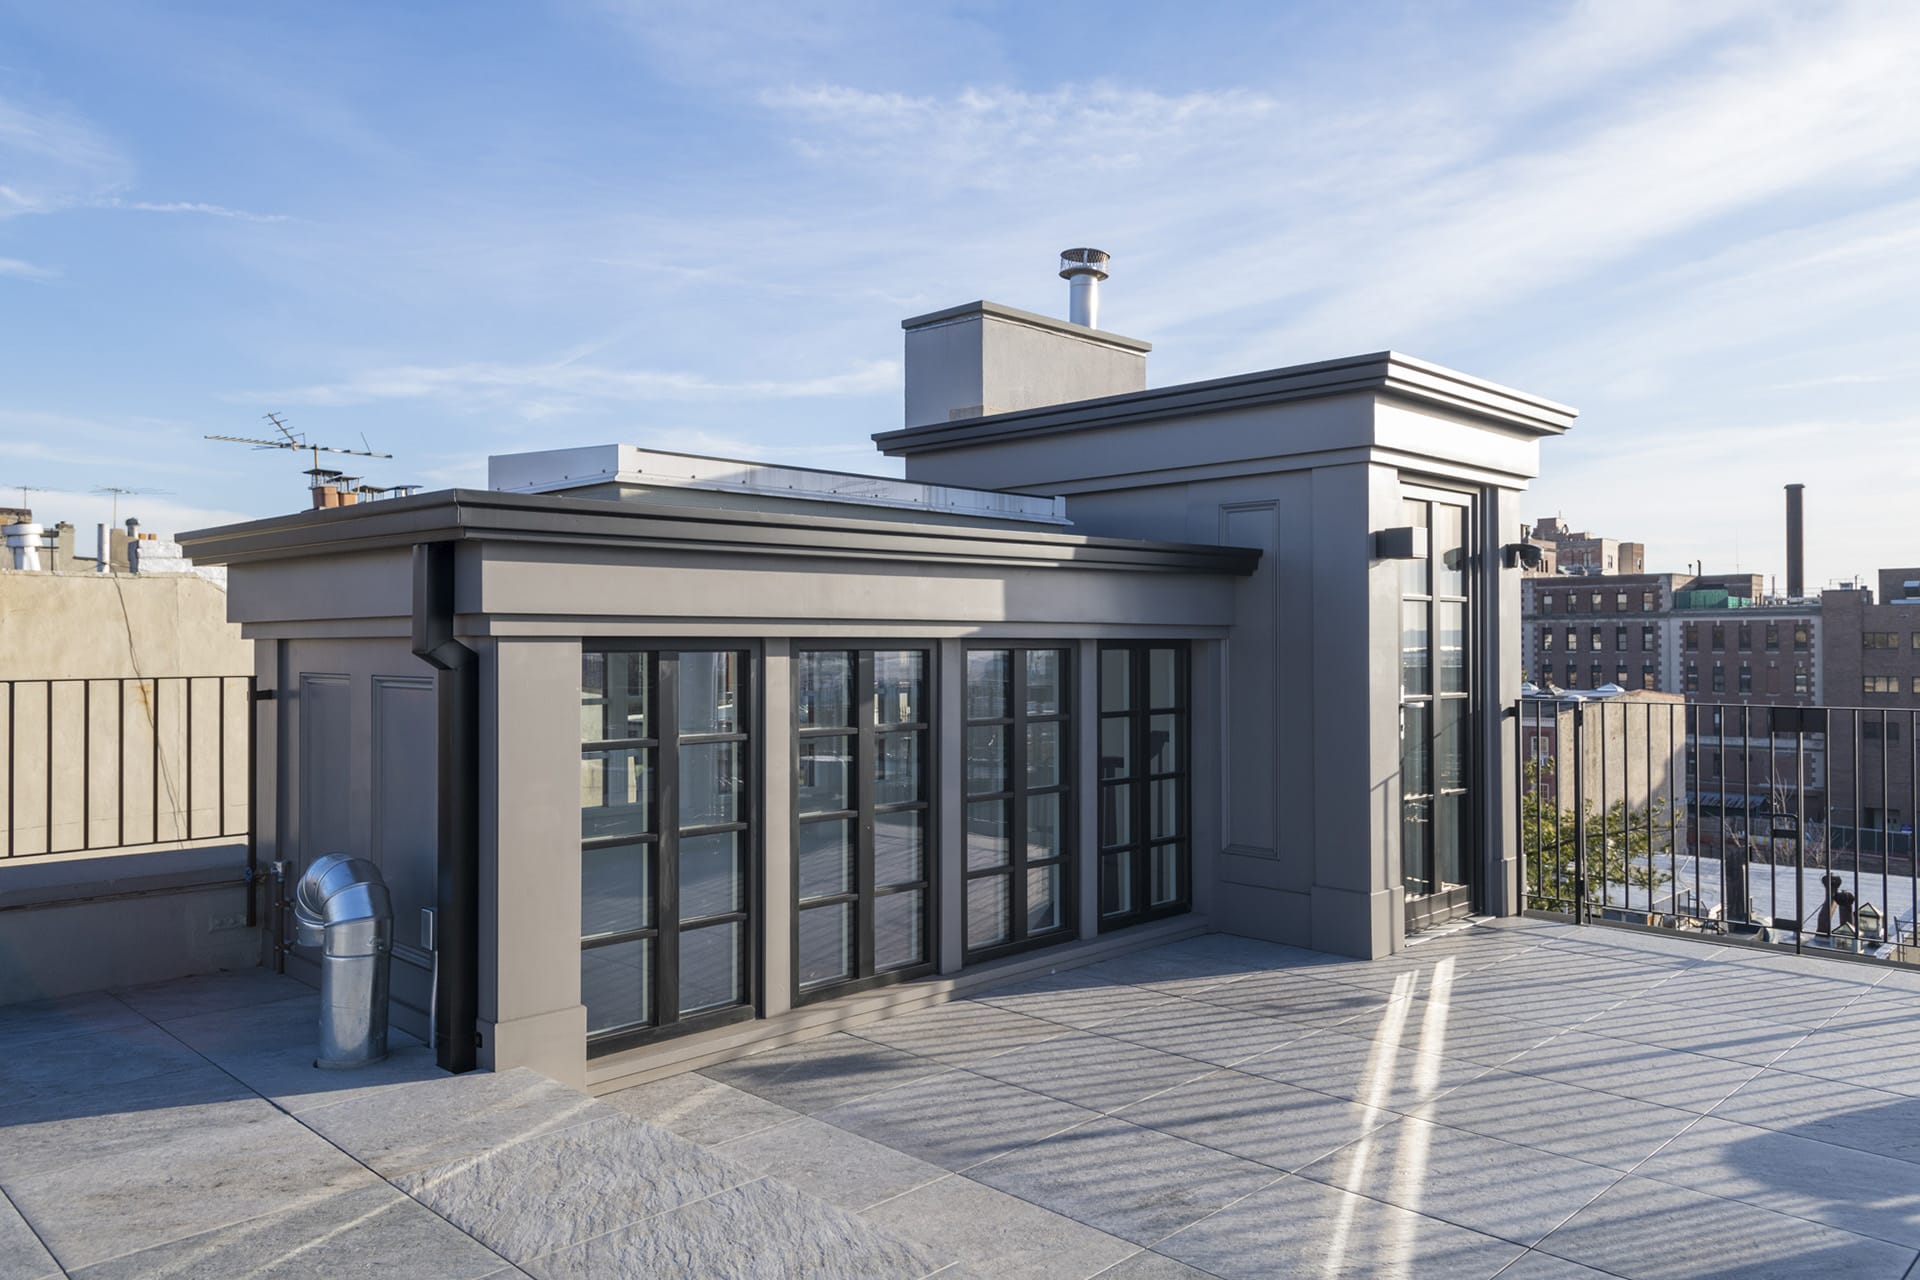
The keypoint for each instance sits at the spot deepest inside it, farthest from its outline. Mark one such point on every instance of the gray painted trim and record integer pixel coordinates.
(1382, 373)
(478, 514)
(1000, 311)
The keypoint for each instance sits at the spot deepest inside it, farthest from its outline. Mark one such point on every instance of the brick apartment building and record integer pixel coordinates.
(1871, 666)
(1583, 552)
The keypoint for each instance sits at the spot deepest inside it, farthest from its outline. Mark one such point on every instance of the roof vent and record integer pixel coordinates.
(1083, 270)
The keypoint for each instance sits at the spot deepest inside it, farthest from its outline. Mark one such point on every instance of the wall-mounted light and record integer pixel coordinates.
(1522, 555)
(1405, 543)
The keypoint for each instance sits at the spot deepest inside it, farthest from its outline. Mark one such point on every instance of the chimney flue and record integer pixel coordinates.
(1083, 270)
(1796, 542)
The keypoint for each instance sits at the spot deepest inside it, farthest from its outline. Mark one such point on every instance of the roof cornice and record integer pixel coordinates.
(1382, 373)
(485, 515)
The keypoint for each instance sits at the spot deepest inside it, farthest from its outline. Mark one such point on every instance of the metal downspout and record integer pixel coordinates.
(457, 909)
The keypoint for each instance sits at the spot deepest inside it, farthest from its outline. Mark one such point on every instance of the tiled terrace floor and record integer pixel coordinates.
(1528, 1100)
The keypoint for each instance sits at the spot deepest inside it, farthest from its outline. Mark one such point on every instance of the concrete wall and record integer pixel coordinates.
(986, 358)
(55, 626)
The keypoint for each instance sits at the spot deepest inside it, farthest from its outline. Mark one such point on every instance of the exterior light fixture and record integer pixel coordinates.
(1404, 543)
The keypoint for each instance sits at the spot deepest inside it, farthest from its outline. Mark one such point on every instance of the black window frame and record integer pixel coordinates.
(866, 732)
(1140, 843)
(1016, 793)
(663, 708)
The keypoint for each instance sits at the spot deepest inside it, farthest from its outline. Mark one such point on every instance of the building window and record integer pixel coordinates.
(1573, 639)
(1144, 868)
(1746, 678)
(1546, 639)
(1620, 676)
(1916, 640)
(1646, 636)
(1594, 602)
(1593, 639)
(1803, 683)
(862, 817)
(1719, 637)
(1019, 817)
(1870, 730)
(1593, 677)
(667, 813)
(1882, 684)
(1880, 640)
(1646, 675)
(1693, 678)
(1746, 638)
(1620, 602)
(1646, 602)
(1690, 635)
(1620, 636)
(1802, 637)
(1719, 678)
(1773, 637)
(1546, 602)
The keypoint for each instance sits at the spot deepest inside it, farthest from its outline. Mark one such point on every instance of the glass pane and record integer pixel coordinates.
(712, 879)
(709, 693)
(616, 889)
(1416, 847)
(1450, 746)
(987, 683)
(1116, 814)
(897, 845)
(1413, 573)
(1449, 550)
(1163, 678)
(823, 690)
(1116, 747)
(986, 760)
(1043, 899)
(1116, 883)
(1043, 754)
(826, 768)
(616, 985)
(613, 696)
(1116, 680)
(826, 944)
(1414, 676)
(899, 929)
(1044, 667)
(896, 768)
(1163, 809)
(1416, 766)
(1163, 744)
(616, 792)
(987, 843)
(989, 920)
(1043, 827)
(1163, 874)
(826, 858)
(710, 783)
(1450, 620)
(899, 684)
(1449, 848)
(711, 973)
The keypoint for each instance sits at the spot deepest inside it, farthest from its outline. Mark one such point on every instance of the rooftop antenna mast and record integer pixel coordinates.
(298, 442)
(120, 491)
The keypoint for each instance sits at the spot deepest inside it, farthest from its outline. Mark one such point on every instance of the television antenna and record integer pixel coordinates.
(120, 491)
(25, 489)
(297, 440)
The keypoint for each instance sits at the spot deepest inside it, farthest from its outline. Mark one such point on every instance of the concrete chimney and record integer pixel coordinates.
(1796, 543)
(1083, 270)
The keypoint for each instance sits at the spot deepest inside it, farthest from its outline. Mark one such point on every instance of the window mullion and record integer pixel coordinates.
(1017, 796)
(666, 966)
(866, 759)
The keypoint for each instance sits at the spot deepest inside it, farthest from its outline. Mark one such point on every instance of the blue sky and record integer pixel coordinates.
(474, 228)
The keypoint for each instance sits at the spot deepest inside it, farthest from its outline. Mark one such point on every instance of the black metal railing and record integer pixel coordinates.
(116, 763)
(1791, 826)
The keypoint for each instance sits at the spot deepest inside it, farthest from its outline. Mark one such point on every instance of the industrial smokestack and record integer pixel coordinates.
(1796, 543)
(1083, 270)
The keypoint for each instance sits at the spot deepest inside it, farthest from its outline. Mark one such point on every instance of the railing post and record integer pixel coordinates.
(1579, 814)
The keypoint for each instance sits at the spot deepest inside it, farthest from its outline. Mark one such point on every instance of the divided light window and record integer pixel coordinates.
(1019, 781)
(667, 807)
(1144, 832)
(862, 816)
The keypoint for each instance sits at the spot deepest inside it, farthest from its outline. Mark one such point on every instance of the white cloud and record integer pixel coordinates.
(543, 390)
(199, 207)
(52, 159)
(19, 270)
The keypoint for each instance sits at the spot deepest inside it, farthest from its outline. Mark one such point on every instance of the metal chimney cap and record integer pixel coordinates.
(1084, 262)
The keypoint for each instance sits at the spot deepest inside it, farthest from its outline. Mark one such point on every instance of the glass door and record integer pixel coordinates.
(667, 855)
(1436, 712)
(862, 817)
(1144, 833)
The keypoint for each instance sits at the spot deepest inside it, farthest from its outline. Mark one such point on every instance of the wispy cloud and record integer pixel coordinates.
(197, 207)
(51, 159)
(19, 270)
(542, 390)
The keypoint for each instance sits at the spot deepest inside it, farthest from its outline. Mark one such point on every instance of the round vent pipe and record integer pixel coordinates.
(1083, 270)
